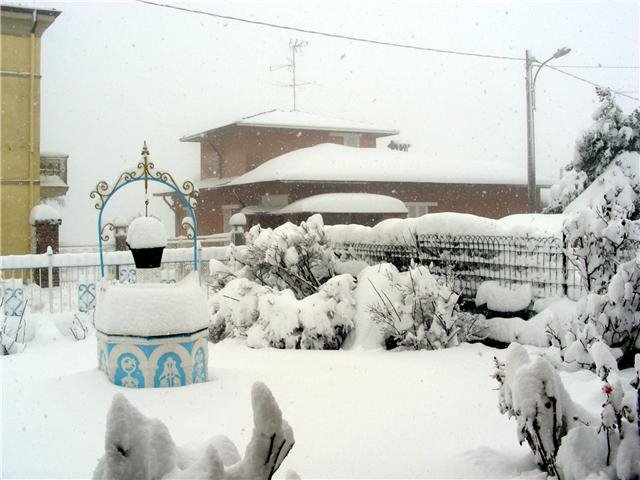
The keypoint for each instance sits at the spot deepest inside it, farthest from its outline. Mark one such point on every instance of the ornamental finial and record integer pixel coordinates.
(145, 150)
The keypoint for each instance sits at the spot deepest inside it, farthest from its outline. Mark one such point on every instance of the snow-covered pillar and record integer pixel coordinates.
(45, 221)
(237, 222)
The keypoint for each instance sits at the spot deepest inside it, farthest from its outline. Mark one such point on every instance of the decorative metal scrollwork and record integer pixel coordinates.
(104, 234)
(145, 170)
(187, 225)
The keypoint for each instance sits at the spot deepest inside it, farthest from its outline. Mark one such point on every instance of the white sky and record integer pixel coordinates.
(118, 73)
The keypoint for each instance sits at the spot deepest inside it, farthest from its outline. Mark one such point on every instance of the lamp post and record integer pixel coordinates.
(532, 204)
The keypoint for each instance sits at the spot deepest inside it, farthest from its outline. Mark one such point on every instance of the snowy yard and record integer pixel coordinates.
(355, 414)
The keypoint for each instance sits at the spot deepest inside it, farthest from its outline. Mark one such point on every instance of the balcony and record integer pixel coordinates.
(53, 175)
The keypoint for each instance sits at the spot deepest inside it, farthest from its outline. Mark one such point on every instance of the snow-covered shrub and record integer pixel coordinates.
(320, 321)
(611, 134)
(142, 448)
(297, 257)
(597, 238)
(612, 317)
(327, 316)
(234, 309)
(532, 392)
(568, 442)
(219, 275)
(419, 311)
(276, 318)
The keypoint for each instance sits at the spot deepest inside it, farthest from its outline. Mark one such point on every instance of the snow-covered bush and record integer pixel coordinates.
(276, 318)
(142, 448)
(532, 392)
(568, 442)
(419, 311)
(296, 257)
(612, 317)
(234, 309)
(612, 134)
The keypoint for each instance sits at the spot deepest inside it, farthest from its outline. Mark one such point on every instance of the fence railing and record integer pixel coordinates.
(541, 262)
(67, 281)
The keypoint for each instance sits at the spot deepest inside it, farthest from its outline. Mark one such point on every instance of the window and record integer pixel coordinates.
(417, 209)
(349, 139)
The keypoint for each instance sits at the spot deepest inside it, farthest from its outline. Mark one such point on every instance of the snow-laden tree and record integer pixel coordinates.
(612, 133)
(297, 257)
(141, 448)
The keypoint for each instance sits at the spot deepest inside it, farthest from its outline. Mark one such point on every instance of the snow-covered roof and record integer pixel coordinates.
(208, 183)
(329, 162)
(623, 172)
(346, 203)
(295, 119)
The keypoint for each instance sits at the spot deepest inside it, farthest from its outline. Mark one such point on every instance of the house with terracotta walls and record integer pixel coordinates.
(282, 166)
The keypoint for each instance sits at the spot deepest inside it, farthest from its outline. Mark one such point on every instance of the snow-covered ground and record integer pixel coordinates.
(355, 414)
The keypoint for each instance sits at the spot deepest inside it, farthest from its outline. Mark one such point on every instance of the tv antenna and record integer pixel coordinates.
(295, 46)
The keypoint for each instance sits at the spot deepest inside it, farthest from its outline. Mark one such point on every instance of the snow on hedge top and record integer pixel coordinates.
(146, 232)
(339, 163)
(44, 213)
(396, 230)
(346, 203)
(152, 309)
(623, 173)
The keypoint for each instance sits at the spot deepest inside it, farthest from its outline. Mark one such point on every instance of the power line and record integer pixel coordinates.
(391, 44)
(334, 35)
(628, 67)
(588, 81)
(368, 40)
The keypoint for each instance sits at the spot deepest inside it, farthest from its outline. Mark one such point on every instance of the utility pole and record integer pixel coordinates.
(295, 46)
(532, 193)
(531, 142)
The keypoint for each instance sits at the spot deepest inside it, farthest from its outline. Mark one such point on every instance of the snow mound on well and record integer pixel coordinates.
(503, 299)
(44, 213)
(153, 309)
(146, 232)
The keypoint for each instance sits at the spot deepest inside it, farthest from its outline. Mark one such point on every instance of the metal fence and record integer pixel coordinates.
(541, 262)
(67, 282)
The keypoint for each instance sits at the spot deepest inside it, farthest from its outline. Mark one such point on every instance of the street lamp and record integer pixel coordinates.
(531, 137)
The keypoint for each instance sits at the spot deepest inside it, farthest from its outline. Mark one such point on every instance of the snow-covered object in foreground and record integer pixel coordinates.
(140, 448)
(146, 232)
(503, 299)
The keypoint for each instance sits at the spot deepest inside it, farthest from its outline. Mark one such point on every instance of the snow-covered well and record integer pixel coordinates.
(153, 335)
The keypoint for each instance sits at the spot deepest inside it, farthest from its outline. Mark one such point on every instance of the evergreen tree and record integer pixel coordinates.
(613, 133)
